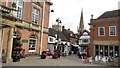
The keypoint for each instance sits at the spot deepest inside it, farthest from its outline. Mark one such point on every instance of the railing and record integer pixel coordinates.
(4, 9)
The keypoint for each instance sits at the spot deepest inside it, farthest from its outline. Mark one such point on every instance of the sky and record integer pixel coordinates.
(69, 11)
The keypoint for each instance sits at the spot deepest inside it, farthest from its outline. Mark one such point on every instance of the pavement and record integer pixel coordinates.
(72, 60)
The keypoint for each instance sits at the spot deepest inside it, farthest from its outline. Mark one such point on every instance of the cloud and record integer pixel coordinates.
(69, 11)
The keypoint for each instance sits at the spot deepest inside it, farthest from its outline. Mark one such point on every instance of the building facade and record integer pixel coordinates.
(28, 21)
(105, 34)
(53, 44)
(84, 41)
(83, 37)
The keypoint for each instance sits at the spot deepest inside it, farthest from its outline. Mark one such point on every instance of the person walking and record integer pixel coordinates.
(58, 54)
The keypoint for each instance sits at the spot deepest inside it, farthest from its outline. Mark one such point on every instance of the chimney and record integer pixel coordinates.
(63, 27)
(92, 16)
(68, 29)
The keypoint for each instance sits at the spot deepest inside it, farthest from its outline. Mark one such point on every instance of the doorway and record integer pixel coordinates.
(16, 37)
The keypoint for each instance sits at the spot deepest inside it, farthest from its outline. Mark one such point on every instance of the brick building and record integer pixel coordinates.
(105, 34)
(29, 22)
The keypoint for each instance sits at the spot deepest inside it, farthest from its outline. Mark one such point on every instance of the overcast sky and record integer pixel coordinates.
(69, 11)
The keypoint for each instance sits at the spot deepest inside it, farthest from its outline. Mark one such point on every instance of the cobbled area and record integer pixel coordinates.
(72, 60)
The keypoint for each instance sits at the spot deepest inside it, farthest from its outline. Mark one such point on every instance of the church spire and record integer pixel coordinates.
(81, 24)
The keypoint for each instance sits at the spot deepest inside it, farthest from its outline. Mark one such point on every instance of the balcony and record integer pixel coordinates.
(7, 12)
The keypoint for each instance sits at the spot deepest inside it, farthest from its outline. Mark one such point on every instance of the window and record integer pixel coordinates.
(51, 39)
(71, 35)
(32, 43)
(112, 31)
(96, 50)
(19, 8)
(16, 35)
(85, 40)
(101, 31)
(35, 15)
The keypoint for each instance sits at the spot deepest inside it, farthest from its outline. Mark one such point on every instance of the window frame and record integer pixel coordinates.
(35, 15)
(39, 15)
(35, 43)
(99, 31)
(51, 39)
(19, 14)
(110, 31)
(85, 40)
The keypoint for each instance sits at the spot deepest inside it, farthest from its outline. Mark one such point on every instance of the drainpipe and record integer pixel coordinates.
(1, 33)
(42, 28)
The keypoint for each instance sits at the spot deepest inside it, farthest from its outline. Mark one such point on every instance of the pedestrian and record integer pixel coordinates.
(58, 54)
(78, 53)
(85, 58)
(70, 53)
(96, 58)
(43, 56)
(23, 53)
(55, 56)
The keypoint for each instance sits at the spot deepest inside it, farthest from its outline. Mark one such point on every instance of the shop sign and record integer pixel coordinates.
(25, 41)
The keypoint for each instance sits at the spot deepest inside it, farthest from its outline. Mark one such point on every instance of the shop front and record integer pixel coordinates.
(107, 50)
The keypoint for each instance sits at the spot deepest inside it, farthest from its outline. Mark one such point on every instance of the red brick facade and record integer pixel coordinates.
(106, 40)
(25, 28)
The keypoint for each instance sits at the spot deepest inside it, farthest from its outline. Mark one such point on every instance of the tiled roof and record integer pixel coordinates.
(69, 34)
(109, 14)
(53, 32)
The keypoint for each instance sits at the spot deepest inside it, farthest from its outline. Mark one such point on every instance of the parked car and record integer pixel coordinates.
(49, 52)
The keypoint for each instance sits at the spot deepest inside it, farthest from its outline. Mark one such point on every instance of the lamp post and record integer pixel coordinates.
(58, 21)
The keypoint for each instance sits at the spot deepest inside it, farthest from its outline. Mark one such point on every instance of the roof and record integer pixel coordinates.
(79, 35)
(69, 34)
(85, 36)
(53, 32)
(109, 14)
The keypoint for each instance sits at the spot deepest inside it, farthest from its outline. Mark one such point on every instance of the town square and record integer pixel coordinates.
(60, 33)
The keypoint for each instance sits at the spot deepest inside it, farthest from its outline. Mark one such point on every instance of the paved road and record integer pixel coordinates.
(72, 60)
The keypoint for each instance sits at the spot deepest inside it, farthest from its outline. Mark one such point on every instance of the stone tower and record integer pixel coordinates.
(81, 24)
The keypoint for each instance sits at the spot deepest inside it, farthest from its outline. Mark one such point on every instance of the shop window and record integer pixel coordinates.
(96, 50)
(106, 50)
(32, 43)
(116, 51)
(101, 50)
(112, 31)
(111, 50)
(35, 15)
(101, 31)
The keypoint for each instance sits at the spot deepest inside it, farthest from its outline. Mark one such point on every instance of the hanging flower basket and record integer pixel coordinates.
(18, 48)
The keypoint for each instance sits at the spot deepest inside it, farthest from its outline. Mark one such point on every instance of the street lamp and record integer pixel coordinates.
(58, 21)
